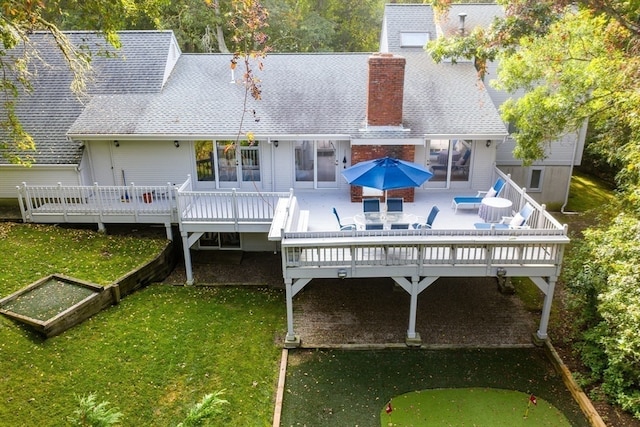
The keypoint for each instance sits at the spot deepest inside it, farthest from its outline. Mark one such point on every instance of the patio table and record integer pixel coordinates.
(492, 209)
(386, 219)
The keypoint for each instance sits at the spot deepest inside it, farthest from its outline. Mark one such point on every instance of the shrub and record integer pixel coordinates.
(603, 289)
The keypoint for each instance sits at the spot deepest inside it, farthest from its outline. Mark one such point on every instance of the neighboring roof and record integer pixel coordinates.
(477, 15)
(50, 109)
(303, 94)
(400, 18)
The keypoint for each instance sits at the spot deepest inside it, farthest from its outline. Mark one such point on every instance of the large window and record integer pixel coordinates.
(316, 163)
(226, 164)
(450, 160)
(204, 161)
(304, 152)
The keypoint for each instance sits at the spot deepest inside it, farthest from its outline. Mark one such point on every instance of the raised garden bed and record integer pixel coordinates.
(55, 303)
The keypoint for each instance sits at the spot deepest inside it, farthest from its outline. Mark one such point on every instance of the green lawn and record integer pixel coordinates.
(152, 356)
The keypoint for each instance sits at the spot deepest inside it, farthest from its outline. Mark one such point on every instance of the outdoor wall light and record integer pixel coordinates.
(342, 273)
(116, 143)
(344, 162)
(176, 143)
(276, 143)
(488, 143)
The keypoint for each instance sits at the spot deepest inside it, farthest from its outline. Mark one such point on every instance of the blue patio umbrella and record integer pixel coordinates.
(387, 173)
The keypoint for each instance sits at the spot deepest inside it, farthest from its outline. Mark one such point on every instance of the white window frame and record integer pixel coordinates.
(530, 187)
(414, 38)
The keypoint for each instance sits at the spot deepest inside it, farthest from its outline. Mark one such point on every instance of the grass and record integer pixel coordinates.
(471, 406)
(41, 250)
(348, 388)
(587, 193)
(152, 356)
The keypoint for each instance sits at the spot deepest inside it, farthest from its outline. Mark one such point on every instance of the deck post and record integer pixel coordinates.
(187, 257)
(413, 339)
(546, 310)
(290, 341)
(167, 226)
(22, 192)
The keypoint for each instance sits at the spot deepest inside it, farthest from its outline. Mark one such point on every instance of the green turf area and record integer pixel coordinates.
(470, 407)
(348, 388)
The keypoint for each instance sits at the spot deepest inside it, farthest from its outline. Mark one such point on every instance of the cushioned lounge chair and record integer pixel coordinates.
(519, 220)
(475, 201)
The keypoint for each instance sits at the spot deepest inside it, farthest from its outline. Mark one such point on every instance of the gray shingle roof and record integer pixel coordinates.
(50, 109)
(409, 18)
(303, 94)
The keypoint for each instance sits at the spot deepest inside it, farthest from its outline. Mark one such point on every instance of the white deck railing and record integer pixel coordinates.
(536, 250)
(226, 206)
(133, 201)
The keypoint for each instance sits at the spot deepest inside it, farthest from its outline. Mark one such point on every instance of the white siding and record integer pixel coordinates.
(559, 153)
(152, 162)
(554, 184)
(12, 176)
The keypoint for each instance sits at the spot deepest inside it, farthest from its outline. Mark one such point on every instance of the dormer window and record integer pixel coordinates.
(413, 39)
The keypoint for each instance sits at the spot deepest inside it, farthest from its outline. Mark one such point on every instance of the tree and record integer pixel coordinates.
(19, 18)
(576, 63)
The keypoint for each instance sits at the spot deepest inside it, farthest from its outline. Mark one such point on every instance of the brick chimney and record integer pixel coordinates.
(386, 87)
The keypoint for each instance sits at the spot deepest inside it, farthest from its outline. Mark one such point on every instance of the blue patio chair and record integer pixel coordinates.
(519, 220)
(394, 205)
(430, 218)
(374, 226)
(476, 200)
(399, 226)
(343, 227)
(370, 205)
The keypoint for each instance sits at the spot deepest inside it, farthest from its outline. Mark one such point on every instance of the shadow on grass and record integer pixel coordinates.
(335, 387)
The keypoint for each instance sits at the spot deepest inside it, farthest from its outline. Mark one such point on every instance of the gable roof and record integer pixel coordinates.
(303, 94)
(399, 18)
(48, 111)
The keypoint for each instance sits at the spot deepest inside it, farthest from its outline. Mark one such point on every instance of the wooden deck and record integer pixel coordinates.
(311, 246)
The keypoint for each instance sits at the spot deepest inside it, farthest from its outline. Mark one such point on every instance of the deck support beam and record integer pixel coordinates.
(414, 288)
(291, 289)
(187, 242)
(548, 288)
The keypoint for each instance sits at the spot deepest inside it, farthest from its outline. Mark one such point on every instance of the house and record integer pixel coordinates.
(160, 138)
